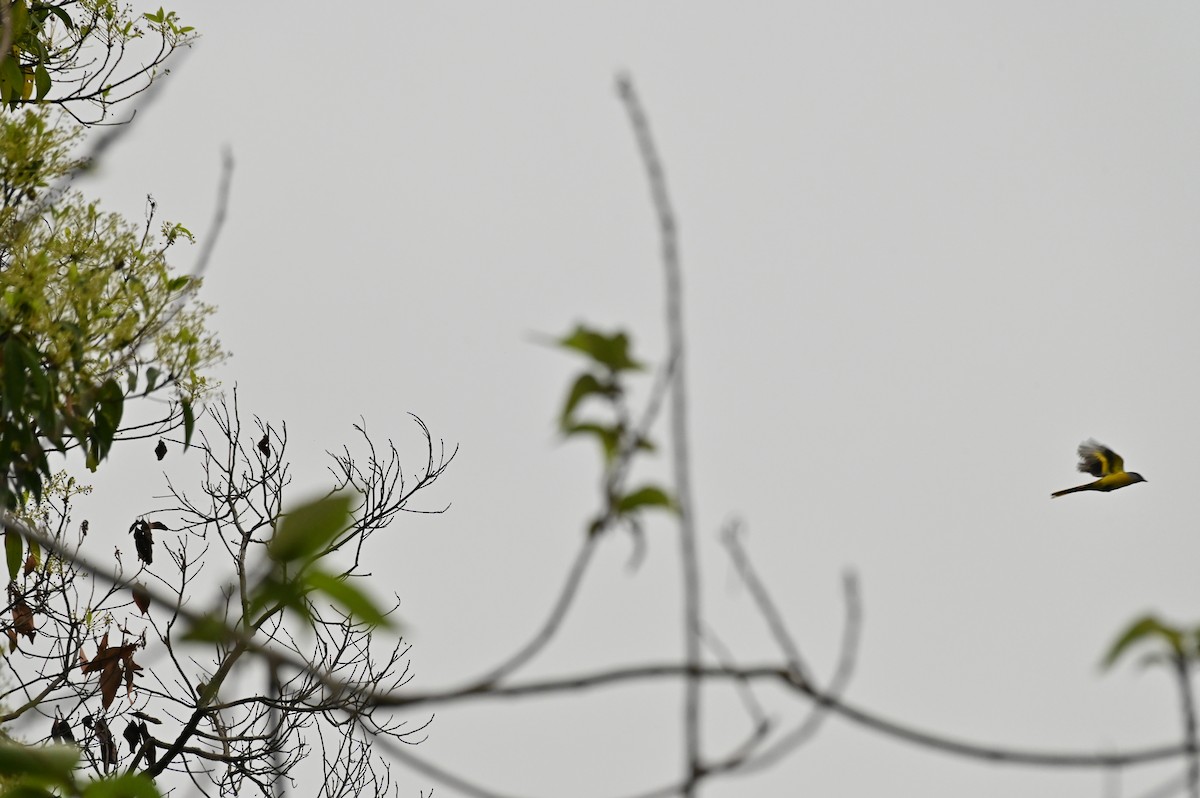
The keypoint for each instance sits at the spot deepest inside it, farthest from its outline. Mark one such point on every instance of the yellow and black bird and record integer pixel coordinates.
(1100, 461)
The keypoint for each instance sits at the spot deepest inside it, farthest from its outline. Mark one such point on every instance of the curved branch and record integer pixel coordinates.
(557, 613)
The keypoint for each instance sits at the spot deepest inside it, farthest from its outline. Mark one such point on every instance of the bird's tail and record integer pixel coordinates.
(1075, 489)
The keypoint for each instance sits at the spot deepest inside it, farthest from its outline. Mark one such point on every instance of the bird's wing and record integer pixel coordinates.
(1099, 460)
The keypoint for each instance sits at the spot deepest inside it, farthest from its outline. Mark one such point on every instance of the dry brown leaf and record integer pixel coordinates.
(110, 680)
(141, 598)
(22, 617)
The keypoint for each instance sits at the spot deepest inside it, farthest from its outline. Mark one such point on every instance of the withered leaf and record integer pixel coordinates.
(110, 680)
(132, 735)
(114, 665)
(161, 450)
(60, 731)
(108, 745)
(143, 540)
(141, 598)
(22, 617)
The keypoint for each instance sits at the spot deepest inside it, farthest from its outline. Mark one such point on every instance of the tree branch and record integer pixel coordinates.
(689, 558)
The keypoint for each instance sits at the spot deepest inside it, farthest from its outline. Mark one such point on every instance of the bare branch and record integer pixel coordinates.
(557, 613)
(689, 557)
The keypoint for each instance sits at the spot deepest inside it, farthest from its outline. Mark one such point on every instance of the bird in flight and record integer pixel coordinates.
(1100, 461)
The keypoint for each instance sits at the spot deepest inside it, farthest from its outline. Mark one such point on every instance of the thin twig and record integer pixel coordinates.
(851, 630)
(766, 607)
(724, 657)
(559, 611)
(218, 222)
(690, 561)
(854, 714)
(1187, 704)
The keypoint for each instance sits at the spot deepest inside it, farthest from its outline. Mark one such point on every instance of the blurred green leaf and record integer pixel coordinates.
(20, 19)
(208, 629)
(42, 80)
(189, 422)
(12, 80)
(15, 369)
(609, 437)
(274, 593)
(586, 385)
(110, 405)
(26, 790)
(13, 549)
(62, 15)
(126, 785)
(611, 351)
(48, 764)
(1141, 629)
(647, 496)
(347, 596)
(306, 529)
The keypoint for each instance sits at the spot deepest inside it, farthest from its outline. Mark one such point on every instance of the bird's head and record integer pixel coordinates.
(1135, 478)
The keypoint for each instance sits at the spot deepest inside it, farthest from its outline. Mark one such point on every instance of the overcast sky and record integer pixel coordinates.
(929, 248)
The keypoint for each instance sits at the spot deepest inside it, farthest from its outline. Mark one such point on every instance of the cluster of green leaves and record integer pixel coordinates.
(603, 381)
(1169, 644)
(23, 71)
(90, 313)
(50, 43)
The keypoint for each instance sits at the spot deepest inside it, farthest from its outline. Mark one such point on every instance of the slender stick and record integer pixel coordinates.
(690, 561)
(1188, 704)
(543, 636)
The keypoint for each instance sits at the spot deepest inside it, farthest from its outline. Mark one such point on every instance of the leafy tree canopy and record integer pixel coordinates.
(91, 312)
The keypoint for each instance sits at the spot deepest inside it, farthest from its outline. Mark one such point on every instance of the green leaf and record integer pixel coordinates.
(611, 351)
(42, 80)
(207, 629)
(306, 529)
(27, 790)
(347, 596)
(13, 549)
(189, 422)
(14, 374)
(1145, 627)
(110, 404)
(609, 437)
(126, 785)
(152, 380)
(52, 764)
(274, 593)
(62, 15)
(586, 385)
(12, 80)
(20, 19)
(647, 496)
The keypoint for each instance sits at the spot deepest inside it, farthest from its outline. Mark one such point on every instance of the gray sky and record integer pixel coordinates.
(929, 248)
